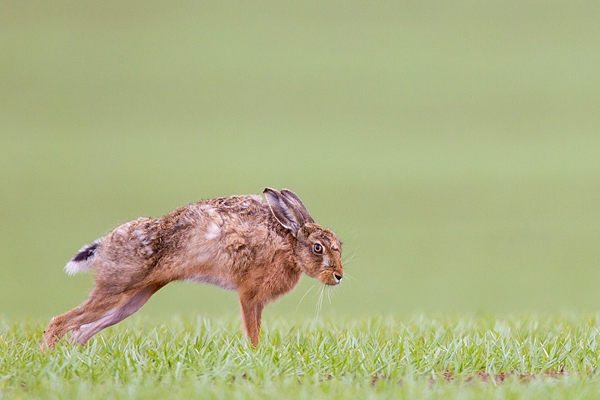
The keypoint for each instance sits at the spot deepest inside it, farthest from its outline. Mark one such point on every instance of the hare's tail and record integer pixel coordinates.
(83, 260)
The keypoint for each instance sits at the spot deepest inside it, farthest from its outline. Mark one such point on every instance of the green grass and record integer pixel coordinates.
(523, 356)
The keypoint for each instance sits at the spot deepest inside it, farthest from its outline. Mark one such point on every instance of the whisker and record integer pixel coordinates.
(309, 289)
(329, 291)
(349, 226)
(349, 276)
(351, 256)
(349, 261)
(320, 302)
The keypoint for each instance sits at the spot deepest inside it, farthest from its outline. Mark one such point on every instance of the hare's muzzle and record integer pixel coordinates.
(333, 280)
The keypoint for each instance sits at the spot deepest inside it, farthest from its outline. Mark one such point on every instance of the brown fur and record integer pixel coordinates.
(239, 243)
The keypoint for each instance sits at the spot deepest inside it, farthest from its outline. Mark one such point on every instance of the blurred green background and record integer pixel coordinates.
(453, 146)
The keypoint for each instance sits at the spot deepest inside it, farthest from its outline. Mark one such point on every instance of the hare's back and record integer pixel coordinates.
(237, 205)
(227, 217)
(234, 230)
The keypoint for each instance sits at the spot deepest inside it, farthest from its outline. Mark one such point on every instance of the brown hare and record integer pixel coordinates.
(238, 243)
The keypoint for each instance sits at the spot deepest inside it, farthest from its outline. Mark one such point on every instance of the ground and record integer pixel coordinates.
(435, 357)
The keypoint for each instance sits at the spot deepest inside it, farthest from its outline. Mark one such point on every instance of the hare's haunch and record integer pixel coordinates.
(238, 243)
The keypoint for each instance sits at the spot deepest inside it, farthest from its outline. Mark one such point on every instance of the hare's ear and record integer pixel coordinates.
(294, 202)
(285, 210)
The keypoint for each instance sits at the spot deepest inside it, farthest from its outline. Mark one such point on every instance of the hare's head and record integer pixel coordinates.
(319, 251)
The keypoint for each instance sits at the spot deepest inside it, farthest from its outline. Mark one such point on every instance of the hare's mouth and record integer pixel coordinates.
(333, 279)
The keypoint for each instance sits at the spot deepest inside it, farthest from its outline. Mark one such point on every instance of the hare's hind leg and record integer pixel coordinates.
(100, 310)
(115, 315)
(97, 304)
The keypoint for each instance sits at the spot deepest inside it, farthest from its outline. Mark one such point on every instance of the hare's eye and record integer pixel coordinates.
(318, 248)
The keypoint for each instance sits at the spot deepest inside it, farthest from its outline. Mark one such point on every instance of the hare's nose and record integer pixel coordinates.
(338, 277)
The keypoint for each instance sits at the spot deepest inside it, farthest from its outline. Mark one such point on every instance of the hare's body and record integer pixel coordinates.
(216, 241)
(238, 243)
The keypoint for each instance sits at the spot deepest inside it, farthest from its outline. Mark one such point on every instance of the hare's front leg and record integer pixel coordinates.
(251, 313)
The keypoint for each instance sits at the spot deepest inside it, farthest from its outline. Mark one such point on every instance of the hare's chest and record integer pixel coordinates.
(275, 285)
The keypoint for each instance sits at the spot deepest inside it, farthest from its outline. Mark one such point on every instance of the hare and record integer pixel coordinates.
(238, 243)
